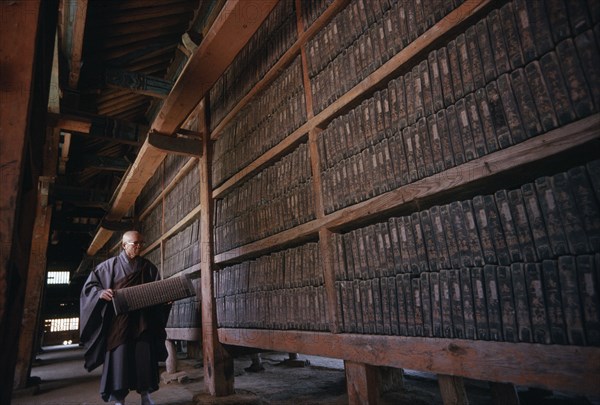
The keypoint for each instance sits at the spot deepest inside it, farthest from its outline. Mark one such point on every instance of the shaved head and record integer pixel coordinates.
(132, 243)
(131, 235)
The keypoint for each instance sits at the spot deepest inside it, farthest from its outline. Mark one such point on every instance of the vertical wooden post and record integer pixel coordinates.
(36, 277)
(504, 393)
(218, 364)
(17, 53)
(362, 383)
(453, 390)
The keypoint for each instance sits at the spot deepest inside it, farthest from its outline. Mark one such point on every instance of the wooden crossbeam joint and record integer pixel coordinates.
(138, 83)
(173, 144)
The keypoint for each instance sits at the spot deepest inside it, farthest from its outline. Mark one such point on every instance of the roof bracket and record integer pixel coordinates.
(177, 145)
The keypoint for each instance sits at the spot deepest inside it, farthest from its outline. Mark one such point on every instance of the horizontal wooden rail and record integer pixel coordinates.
(563, 368)
(174, 229)
(181, 173)
(534, 149)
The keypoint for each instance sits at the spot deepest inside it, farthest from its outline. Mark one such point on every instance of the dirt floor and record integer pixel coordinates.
(64, 381)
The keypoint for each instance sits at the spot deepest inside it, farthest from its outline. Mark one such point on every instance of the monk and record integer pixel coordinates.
(131, 344)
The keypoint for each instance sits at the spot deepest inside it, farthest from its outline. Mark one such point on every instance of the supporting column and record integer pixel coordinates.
(453, 390)
(362, 383)
(218, 363)
(504, 393)
(17, 53)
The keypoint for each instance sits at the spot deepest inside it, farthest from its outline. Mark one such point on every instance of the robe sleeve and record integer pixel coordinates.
(92, 309)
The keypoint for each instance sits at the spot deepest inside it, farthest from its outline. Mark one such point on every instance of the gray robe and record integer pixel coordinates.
(133, 363)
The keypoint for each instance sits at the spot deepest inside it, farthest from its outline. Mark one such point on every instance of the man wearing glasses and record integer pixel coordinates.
(131, 344)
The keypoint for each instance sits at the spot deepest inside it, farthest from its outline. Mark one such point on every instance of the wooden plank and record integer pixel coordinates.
(76, 51)
(325, 247)
(229, 33)
(177, 146)
(282, 147)
(534, 149)
(453, 390)
(218, 363)
(187, 167)
(282, 63)
(36, 278)
(17, 53)
(557, 367)
(362, 383)
(189, 334)
(302, 40)
(298, 233)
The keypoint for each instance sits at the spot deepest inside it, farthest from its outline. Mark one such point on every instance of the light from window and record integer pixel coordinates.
(63, 324)
(59, 277)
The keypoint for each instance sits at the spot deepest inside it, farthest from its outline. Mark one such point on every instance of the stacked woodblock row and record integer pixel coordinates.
(182, 251)
(273, 114)
(275, 36)
(476, 95)
(361, 38)
(283, 290)
(518, 266)
(277, 198)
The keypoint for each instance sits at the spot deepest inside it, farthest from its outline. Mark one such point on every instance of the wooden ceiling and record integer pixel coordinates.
(117, 62)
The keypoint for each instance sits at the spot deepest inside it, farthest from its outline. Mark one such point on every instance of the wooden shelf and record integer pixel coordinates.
(174, 229)
(282, 63)
(563, 368)
(403, 58)
(532, 150)
(181, 173)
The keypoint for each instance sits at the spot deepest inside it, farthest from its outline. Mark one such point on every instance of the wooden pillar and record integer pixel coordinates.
(362, 383)
(17, 60)
(504, 393)
(453, 390)
(218, 364)
(36, 279)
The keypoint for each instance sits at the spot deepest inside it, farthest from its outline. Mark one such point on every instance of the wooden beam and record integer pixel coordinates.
(218, 363)
(36, 278)
(176, 145)
(98, 126)
(452, 390)
(17, 53)
(229, 33)
(138, 83)
(74, 18)
(362, 383)
(557, 367)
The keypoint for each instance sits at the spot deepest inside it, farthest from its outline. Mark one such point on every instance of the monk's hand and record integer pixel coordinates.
(106, 295)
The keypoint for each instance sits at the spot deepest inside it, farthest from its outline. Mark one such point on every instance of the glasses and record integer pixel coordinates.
(135, 243)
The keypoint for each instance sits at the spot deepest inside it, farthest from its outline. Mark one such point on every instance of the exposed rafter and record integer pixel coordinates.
(138, 83)
(227, 36)
(99, 126)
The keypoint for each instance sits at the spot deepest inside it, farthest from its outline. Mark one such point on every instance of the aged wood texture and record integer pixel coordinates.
(453, 390)
(218, 364)
(362, 383)
(555, 367)
(17, 58)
